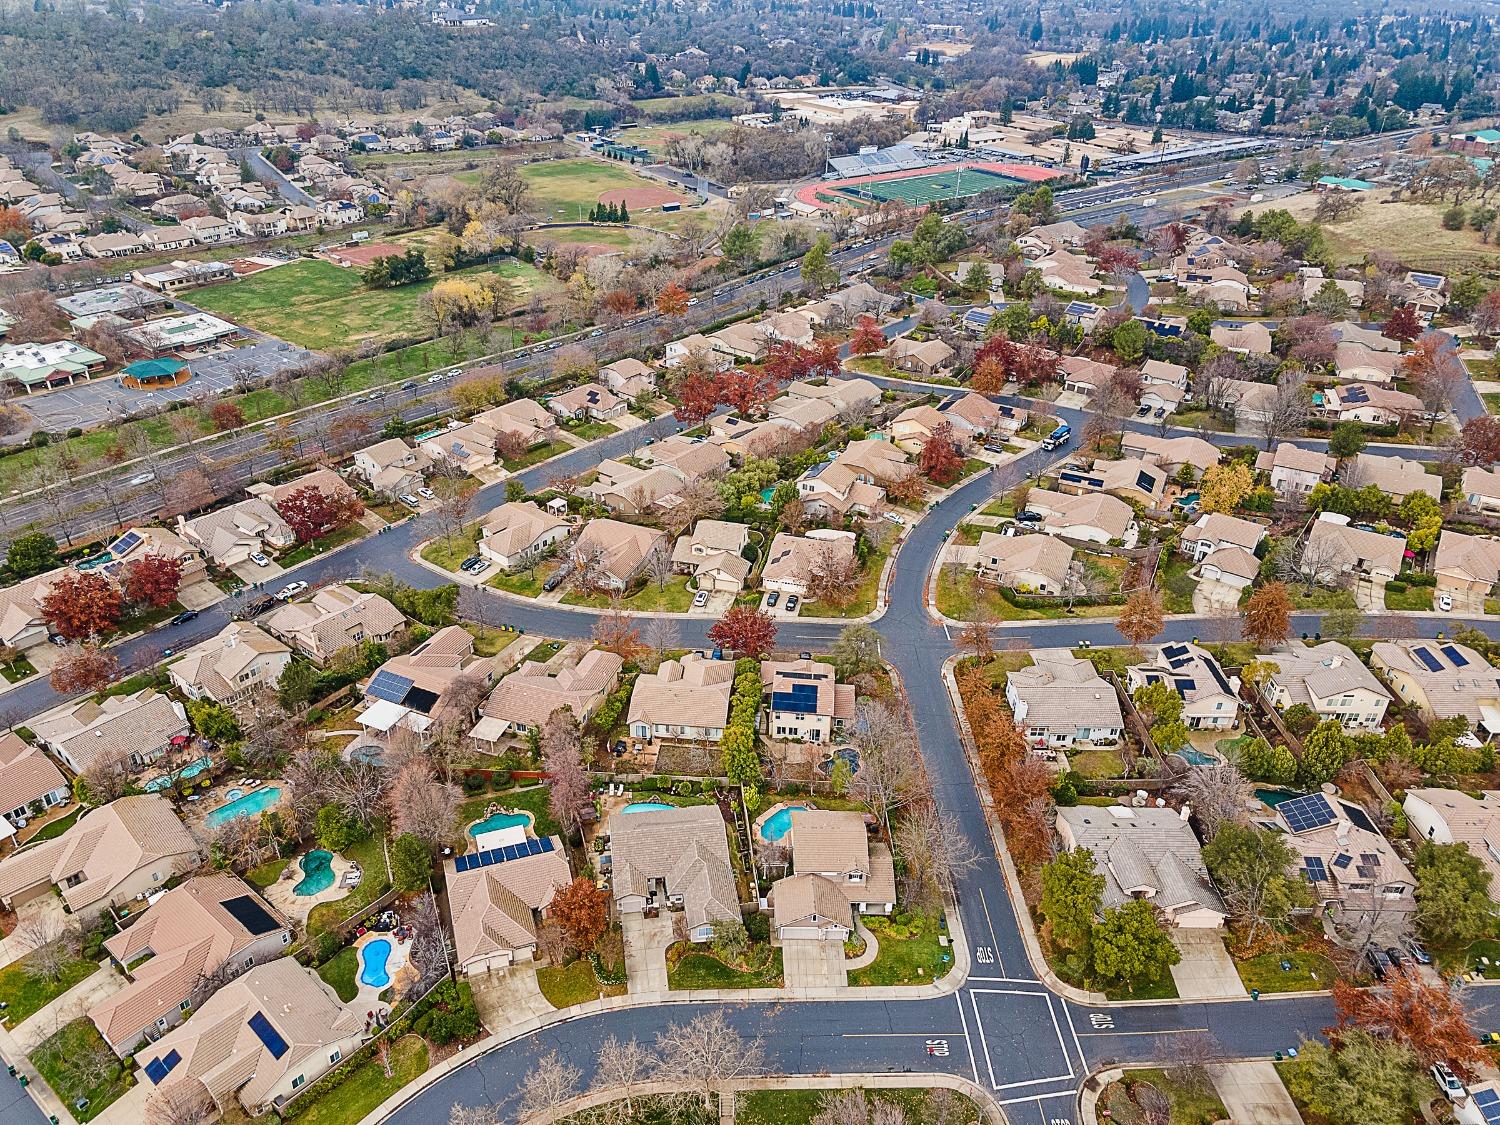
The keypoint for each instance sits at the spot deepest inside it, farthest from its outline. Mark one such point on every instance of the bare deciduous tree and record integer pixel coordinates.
(842, 1107)
(621, 1067)
(660, 635)
(702, 1055)
(182, 1103)
(935, 852)
(473, 1115)
(429, 948)
(562, 757)
(52, 946)
(548, 1084)
(890, 773)
(1218, 795)
(1285, 412)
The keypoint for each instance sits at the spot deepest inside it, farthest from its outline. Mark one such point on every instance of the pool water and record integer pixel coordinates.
(191, 770)
(1197, 757)
(778, 824)
(374, 956)
(647, 806)
(1189, 499)
(317, 873)
(846, 754)
(496, 821)
(248, 804)
(1273, 797)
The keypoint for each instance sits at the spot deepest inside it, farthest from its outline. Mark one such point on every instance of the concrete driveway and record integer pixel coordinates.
(1369, 595)
(646, 941)
(1211, 596)
(200, 595)
(813, 963)
(1206, 969)
(75, 1002)
(1253, 1094)
(251, 574)
(508, 997)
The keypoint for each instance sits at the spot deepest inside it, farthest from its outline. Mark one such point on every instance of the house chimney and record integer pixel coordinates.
(1186, 811)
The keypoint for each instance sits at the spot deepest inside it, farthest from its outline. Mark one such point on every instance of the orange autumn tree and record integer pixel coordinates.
(582, 910)
(1019, 782)
(1406, 1009)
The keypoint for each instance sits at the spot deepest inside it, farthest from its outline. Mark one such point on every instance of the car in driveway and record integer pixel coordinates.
(426, 494)
(772, 598)
(1445, 602)
(1380, 963)
(554, 581)
(409, 500)
(290, 591)
(259, 559)
(700, 599)
(1453, 1089)
(792, 601)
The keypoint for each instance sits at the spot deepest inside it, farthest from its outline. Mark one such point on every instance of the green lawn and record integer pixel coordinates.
(535, 456)
(1100, 762)
(1005, 507)
(526, 584)
(267, 873)
(1413, 597)
(56, 828)
(592, 431)
(1309, 971)
(1491, 401)
(1204, 419)
(655, 137)
(339, 972)
(573, 984)
(491, 642)
(865, 594)
(52, 1061)
(1189, 1106)
(533, 800)
(17, 671)
(909, 951)
(447, 551)
(323, 544)
(1319, 598)
(28, 995)
(961, 598)
(1162, 988)
(701, 969)
(675, 597)
(564, 190)
(1176, 585)
(365, 1088)
(1486, 948)
(620, 238)
(369, 853)
(323, 306)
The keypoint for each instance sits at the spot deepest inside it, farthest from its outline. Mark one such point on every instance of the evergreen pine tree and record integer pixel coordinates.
(624, 212)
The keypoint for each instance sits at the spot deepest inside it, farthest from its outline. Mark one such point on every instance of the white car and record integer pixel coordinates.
(426, 494)
(259, 559)
(435, 377)
(1445, 602)
(290, 591)
(1448, 1082)
(143, 478)
(700, 599)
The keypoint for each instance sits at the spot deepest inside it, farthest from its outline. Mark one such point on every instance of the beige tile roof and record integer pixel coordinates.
(1310, 673)
(121, 726)
(588, 397)
(514, 528)
(1062, 692)
(190, 932)
(326, 624)
(1171, 453)
(1469, 690)
(1289, 456)
(1012, 554)
(1381, 398)
(253, 518)
(974, 409)
(20, 604)
(837, 845)
(530, 694)
(1484, 483)
(685, 849)
(212, 666)
(1216, 527)
(1341, 546)
(794, 558)
(1150, 850)
(1232, 560)
(26, 773)
(711, 536)
(523, 416)
(1473, 823)
(1254, 338)
(392, 451)
(929, 353)
(492, 908)
(691, 692)
(218, 1047)
(1350, 357)
(326, 481)
(1395, 476)
(624, 546)
(105, 846)
(691, 459)
(1082, 369)
(1474, 558)
(809, 900)
(1108, 513)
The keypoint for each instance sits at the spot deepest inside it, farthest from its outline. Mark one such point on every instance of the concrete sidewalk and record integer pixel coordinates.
(1253, 1094)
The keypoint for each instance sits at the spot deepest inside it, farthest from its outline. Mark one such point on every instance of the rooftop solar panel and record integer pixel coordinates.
(125, 544)
(1184, 686)
(1145, 481)
(1302, 814)
(1369, 857)
(1455, 658)
(1316, 872)
(1218, 674)
(252, 915)
(461, 863)
(546, 843)
(1364, 872)
(389, 686)
(1430, 662)
(1488, 1104)
(1355, 394)
(268, 1035)
(1173, 652)
(1342, 861)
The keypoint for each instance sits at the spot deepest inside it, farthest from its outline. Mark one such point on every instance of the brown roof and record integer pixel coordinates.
(531, 693)
(122, 725)
(492, 907)
(687, 850)
(26, 773)
(624, 546)
(691, 692)
(810, 900)
(514, 527)
(834, 699)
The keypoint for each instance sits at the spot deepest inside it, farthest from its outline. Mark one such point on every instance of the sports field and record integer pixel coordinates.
(323, 306)
(962, 183)
(565, 190)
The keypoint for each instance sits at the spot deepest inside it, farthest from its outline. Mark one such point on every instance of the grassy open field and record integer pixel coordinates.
(653, 107)
(1411, 231)
(612, 238)
(323, 306)
(566, 189)
(655, 137)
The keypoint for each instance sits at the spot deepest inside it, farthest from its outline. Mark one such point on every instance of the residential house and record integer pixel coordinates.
(1452, 816)
(523, 700)
(1083, 375)
(1335, 550)
(334, 619)
(919, 357)
(876, 462)
(1061, 700)
(1295, 471)
(407, 690)
(845, 306)
(1250, 338)
(1163, 397)
(915, 426)
(810, 907)
(471, 447)
(1093, 517)
(230, 667)
(1159, 373)
(988, 419)
(210, 229)
(1130, 479)
(791, 327)
(696, 347)
(1214, 531)
(137, 729)
(686, 699)
(528, 421)
(520, 531)
(1051, 237)
(231, 535)
(1226, 286)
(1443, 680)
(1210, 697)
(837, 846)
(634, 491)
(1346, 331)
(1480, 489)
(1149, 854)
(674, 859)
(1329, 678)
(807, 415)
(495, 906)
(1068, 272)
(1467, 568)
(1028, 563)
(391, 467)
(111, 245)
(156, 240)
(118, 852)
(136, 543)
(326, 481)
(589, 402)
(1252, 402)
(713, 555)
(30, 783)
(1171, 453)
(1368, 403)
(741, 342)
(793, 561)
(628, 378)
(1397, 477)
(1424, 293)
(1356, 877)
(1355, 362)
(694, 458)
(209, 927)
(741, 438)
(615, 553)
(259, 1039)
(833, 490)
(850, 398)
(807, 703)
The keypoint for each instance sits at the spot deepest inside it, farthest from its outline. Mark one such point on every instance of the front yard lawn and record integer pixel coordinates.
(1308, 971)
(57, 827)
(962, 598)
(909, 951)
(698, 968)
(1190, 1105)
(1318, 598)
(1162, 988)
(447, 551)
(865, 593)
(365, 1088)
(536, 456)
(591, 431)
(566, 985)
(28, 995)
(1005, 507)
(491, 642)
(1413, 597)
(60, 1058)
(524, 583)
(1487, 949)
(339, 972)
(323, 544)
(674, 597)
(1176, 584)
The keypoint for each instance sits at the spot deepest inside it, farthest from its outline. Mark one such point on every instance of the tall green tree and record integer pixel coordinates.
(817, 270)
(1130, 946)
(1366, 1081)
(1253, 870)
(31, 554)
(1072, 890)
(1453, 894)
(1323, 754)
(856, 650)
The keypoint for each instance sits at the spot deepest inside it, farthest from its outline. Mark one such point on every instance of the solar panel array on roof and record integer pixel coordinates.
(491, 856)
(1342, 860)
(1218, 674)
(389, 686)
(1302, 814)
(1184, 686)
(157, 1069)
(1455, 658)
(1354, 395)
(1428, 280)
(1174, 652)
(125, 544)
(1144, 481)
(802, 699)
(1488, 1104)
(251, 914)
(1316, 872)
(1430, 662)
(268, 1035)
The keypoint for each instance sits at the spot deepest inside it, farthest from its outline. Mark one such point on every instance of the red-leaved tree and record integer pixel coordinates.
(582, 910)
(153, 580)
(80, 606)
(1428, 1018)
(745, 630)
(939, 461)
(672, 301)
(746, 388)
(824, 360)
(697, 397)
(311, 512)
(1403, 325)
(83, 668)
(867, 337)
(786, 361)
(226, 416)
(1479, 441)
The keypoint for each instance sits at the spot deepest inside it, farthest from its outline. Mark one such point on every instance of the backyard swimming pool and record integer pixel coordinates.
(374, 957)
(1197, 757)
(778, 824)
(191, 770)
(496, 821)
(243, 804)
(646, 806)
(317, 873)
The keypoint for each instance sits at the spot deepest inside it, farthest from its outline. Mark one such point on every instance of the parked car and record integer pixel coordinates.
(259, 559)
(1161, 412)
(409, 385)
(1380, 963)
(772, 598)
(143, 478)
(700, 599)
(1445, 602)
(480, 567)
(409, 500)
(554, 581)
(290, 590)
(1418, 952)
(1143, 411)
(1399, 957)
(791, 603)
(257, 607)
(426, 494)
(1028, 517)
(435, 377)
(184, 617)
(470, 563)
(1453, 1089)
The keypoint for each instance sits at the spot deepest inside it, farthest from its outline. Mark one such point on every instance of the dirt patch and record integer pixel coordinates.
(638, 197)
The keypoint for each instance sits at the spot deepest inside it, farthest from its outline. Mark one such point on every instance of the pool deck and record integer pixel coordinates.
(773, 810)
(298, 907)
(195, 813)
(397, 966)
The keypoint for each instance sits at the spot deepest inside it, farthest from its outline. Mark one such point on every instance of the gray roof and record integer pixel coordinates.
(1151, 849)
(1064, 693)
(1306, 671)
(685, 849)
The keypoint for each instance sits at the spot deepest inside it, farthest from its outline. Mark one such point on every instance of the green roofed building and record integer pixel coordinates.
(154, 370)
(53, 364)
(1344, 183)
(1484, 142)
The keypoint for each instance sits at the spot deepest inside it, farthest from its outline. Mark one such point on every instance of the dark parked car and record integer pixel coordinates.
(791, 603)
(554, 582)
(184, 617)
(257, 607)
(1028, 517)
(1380, 963)
(772, 598)
(1399, 957)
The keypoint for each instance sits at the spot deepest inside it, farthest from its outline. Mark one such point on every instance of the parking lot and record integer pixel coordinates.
(215, 372)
